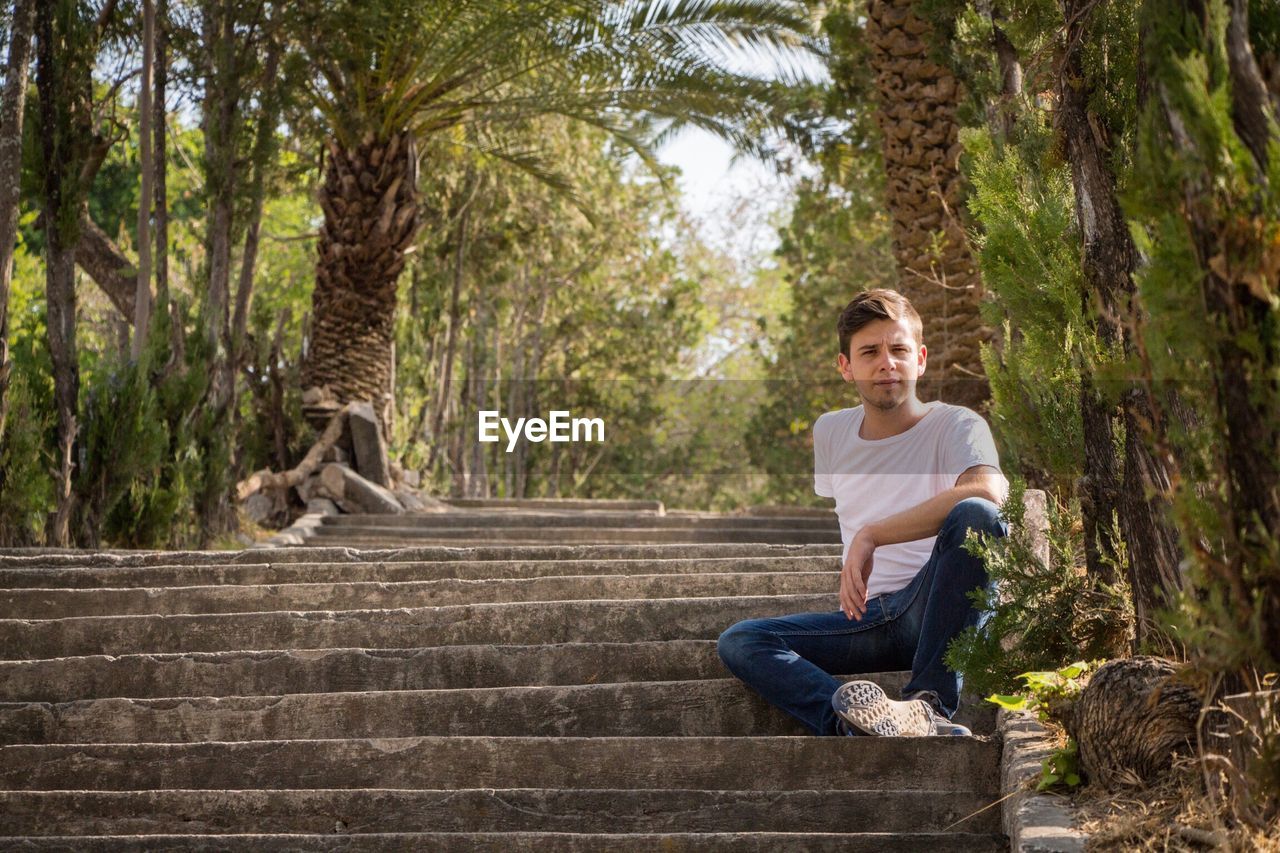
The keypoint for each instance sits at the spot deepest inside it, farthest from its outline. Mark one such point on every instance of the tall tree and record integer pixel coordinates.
(1133, 485)
(1209, 168)
(142, 302)
(12, 103)
(64, 56)
(918, 97)
(415, 70)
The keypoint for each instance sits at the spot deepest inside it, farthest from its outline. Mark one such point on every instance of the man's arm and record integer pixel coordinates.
(919, 522)
(925, 519)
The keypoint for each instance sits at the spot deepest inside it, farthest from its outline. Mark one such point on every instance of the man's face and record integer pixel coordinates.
(884, 361)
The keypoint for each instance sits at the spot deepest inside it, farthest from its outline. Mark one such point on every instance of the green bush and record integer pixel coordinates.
(1038, 615)
(26, 489)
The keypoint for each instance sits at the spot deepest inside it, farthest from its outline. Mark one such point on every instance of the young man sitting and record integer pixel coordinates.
(910, 479)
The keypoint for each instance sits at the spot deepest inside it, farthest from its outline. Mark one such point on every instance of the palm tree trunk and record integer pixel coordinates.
(370, 204)
(11, 115)
(920, 138)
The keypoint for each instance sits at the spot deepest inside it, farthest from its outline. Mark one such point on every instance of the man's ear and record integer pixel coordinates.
(845, 366)
(924, 354)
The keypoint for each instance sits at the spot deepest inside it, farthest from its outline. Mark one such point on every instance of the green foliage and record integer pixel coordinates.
(26, 489)
(1048, 694)
(148, 451)
(1039, 612)
(1206, 215)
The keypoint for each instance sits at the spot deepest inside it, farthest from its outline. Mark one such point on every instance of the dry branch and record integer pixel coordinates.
(266, 479)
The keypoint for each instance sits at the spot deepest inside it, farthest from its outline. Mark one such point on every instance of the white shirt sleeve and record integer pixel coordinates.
(823, 484)
(969, 443)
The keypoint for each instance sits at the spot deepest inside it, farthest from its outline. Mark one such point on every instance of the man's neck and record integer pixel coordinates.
(877, 423)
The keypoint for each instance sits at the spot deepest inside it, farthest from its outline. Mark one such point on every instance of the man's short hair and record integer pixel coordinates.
(877, 304)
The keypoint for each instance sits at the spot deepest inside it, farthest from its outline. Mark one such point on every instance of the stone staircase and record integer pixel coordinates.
(532, 522)
(486, 697)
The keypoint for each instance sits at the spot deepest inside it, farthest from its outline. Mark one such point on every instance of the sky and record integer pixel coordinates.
(713, 182)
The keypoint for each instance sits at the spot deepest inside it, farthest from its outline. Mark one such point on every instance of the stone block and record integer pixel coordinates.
(355, 493)
(368, 444)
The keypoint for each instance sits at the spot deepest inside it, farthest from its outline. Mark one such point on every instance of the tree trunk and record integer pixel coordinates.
(263, 148)
(62, 79)
(920, 137)
(1229, 222)
(142, 302)
(1109, 260)
(370, 204)
(451, 339)
(220, 120)
(12, 104)
(161, 157)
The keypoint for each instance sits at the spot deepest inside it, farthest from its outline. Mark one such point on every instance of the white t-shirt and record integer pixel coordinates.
(873, 479)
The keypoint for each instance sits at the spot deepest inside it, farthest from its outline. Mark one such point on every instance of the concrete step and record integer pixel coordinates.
(49, 557)
(710, 763)
(381, 534)
(570, 520)
(383, 537)
(507, 810)
(60, 603)
(392, 572)
(583, 504)
(736, 842)
(706, 707)
(470, 624)
(241, 673)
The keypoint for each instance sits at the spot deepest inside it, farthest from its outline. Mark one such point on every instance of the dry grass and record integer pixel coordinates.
(1174, 815)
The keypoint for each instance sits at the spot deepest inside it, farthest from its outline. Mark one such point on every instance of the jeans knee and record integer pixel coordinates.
(732, 645)
(978, 514)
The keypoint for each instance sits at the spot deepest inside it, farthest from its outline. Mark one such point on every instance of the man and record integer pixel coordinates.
(910, 479)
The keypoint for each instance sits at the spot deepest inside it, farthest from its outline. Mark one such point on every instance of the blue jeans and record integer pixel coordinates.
(791, 661)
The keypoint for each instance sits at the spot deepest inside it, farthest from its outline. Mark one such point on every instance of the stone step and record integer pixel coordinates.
(584, 504)
(241, 673)
(713, 763)
(569, 520)
(392, 572)
(60, 603)
(44, 558)
(502, 842)
(506, 810)
(468, 624)
(707, 707)
(386, 534)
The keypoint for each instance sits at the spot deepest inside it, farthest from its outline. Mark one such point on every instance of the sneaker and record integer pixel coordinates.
(864, 705)
(941, 724)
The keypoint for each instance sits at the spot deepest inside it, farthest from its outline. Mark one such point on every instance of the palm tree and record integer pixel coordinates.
(918, 97)
(472, 72)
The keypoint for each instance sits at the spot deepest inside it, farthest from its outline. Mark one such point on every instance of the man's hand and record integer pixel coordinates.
(855, 573)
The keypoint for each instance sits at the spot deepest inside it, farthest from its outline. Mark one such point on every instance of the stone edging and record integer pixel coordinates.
(1034, 822)
(301, 530)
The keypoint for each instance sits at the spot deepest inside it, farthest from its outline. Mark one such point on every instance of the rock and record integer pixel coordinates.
(260, 508)
(308, 489)
(322, 506)
(412, 479)
(356, 494)
(369, 446)
(336, 454)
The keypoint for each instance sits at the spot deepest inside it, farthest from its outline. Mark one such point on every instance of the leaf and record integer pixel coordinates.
(1009, 703)
(1072, 779)
(1074, 670)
